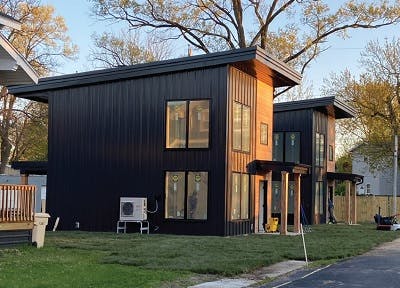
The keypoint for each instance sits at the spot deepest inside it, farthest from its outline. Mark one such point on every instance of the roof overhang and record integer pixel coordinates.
(14, 69)
(328, 105)
(9, 21)
(252, 60)
(30, 167)
(355, 178)
(260, 167)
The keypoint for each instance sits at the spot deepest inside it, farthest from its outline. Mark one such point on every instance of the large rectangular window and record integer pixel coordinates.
(319, 149)
(286, 147)
(187, 124)
(241, 127)
(240, 196)
(186, 195)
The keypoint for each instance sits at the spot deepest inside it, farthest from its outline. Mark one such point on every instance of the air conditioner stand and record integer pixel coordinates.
(144, 225)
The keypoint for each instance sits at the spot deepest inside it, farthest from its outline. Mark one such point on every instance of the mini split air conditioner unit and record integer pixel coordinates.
(132, 209)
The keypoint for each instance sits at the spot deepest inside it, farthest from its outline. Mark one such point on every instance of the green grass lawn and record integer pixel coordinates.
(82, 259)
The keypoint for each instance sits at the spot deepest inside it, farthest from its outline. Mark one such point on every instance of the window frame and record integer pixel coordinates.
(283, 139)
(331, 153)
(264, 133)
(320, 155)
(186, 196)
(239, 148)
(240, 185)
(187, 123)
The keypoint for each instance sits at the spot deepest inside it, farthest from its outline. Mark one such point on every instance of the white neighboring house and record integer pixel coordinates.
(376, 182)
(14, 69)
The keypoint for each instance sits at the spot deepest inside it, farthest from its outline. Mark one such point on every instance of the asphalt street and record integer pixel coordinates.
(377, 268)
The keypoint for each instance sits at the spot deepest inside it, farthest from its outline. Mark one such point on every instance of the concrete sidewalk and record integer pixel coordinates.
(247, 280)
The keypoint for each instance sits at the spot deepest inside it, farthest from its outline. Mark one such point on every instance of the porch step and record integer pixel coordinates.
(10, 238)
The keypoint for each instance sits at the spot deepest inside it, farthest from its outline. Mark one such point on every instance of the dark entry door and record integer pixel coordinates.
(262, 214)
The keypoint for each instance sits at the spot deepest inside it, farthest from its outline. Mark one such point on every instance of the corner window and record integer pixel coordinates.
(186, 195)
(187, 124)
(319, 149)
(240, 196)
(241, 127)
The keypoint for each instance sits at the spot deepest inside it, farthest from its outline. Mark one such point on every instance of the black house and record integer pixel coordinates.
(179, 132)
(304, 132)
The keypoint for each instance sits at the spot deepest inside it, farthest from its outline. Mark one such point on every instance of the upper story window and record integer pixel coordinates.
(263, 133)
(331, 153)
(241, 127)
(319, 149)
(187, 124)
(286, 147)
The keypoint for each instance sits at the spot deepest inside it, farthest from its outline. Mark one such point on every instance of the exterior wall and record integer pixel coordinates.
(107, 141)
(380, 181)
(264, 114)
(242, 89)
(299, 121)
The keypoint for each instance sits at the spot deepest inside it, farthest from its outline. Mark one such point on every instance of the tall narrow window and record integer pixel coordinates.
(186, 195)
(175, 195)
(197, 195)
(240, 196)
(277, 149)
(237, 126)
(187, 124)
(319, 149)
(292, 147)
(331, 157)
(176, 124)
(199, 124)
(241, 127)
(264, 134)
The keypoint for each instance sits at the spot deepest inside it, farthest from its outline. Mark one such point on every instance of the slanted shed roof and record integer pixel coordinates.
(328, 105)
(14, 69)
(252, 60)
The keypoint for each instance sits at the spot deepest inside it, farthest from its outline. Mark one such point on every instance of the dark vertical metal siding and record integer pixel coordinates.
(16, 237)
(301, 121)
(108, 140)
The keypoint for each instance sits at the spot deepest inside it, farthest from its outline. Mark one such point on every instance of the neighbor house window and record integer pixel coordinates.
(319, 149)
(264, 133)
(187, 124)
(240, 196)
(319, 198)
(241, 127)
(186, 195)
(286, 147)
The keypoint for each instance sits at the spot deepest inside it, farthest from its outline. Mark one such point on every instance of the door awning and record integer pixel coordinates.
(358, 179)
(260, 167)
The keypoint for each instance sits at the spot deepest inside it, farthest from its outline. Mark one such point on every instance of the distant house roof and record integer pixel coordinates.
(30, 167)
(252, 60)
(14, 69)
(328, 105)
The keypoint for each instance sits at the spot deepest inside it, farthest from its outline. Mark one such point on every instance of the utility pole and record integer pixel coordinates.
(395, 176)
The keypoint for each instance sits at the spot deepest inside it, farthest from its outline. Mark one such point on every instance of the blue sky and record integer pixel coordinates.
(343, 54)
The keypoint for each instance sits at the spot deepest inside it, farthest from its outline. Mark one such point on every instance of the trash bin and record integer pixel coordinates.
(272, 226)
(39, 228)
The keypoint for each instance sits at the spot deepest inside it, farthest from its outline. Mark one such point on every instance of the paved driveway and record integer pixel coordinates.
(379, 268)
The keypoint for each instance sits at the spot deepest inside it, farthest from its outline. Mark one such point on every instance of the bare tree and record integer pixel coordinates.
(292, 30)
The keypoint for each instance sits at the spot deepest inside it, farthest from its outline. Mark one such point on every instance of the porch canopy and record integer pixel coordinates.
(263, 167)
(350, 197)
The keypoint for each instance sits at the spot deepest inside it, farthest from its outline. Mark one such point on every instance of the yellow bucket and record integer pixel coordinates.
(272, 225)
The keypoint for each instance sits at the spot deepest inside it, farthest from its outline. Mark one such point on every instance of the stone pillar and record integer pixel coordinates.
(284, 202)
(297, 203)
(348, 201)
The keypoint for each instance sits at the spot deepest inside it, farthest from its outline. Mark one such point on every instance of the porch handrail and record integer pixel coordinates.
(17, 203)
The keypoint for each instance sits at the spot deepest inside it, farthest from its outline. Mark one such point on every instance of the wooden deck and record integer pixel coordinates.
(17, 207)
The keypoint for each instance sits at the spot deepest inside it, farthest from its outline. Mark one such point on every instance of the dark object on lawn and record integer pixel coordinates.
(332, 219)
(384, 223)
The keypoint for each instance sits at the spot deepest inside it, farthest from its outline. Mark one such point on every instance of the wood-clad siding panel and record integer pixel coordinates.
(242, 88)
(264, 114)
(330, 142)
(108, 141)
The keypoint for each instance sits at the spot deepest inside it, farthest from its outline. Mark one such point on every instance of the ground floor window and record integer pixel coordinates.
(319, 198)
(240, 196)
(186, 194)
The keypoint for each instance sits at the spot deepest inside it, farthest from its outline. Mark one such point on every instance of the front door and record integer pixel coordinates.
(262, 205)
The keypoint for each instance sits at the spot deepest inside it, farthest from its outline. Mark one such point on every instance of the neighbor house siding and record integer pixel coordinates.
(108, 140)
